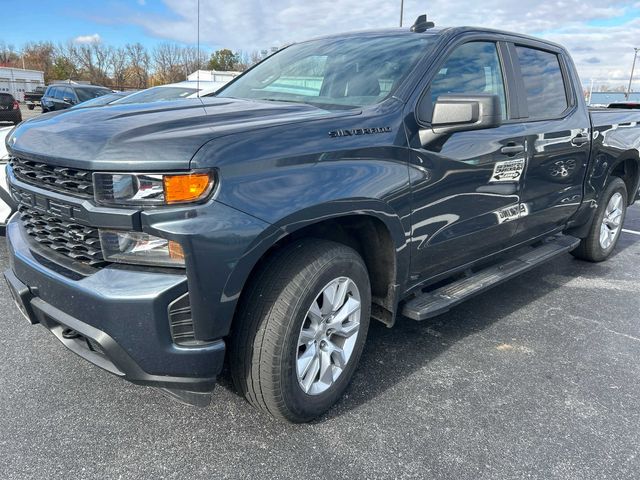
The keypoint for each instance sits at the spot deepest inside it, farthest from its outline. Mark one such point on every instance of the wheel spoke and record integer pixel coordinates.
(315, 314)
(307, 335)
(328, 296)
(349, 308)
(309, 379)
(346, 330)
(305, 360)
(341, 295)
(326, 370)
(337, 355)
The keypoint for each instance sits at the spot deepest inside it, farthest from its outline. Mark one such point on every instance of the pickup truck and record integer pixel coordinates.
(360, 176)
(32, 99)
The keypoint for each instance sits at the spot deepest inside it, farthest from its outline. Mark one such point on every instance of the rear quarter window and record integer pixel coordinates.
(543, 83)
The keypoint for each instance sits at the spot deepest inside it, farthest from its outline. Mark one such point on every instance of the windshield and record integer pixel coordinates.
(352, 71)
(85, 94)
(157, 94)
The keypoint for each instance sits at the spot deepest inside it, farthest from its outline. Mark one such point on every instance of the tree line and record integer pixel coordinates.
(132, 66)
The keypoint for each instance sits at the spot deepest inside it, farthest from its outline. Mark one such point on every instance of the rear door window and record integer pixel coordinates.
(543, 83)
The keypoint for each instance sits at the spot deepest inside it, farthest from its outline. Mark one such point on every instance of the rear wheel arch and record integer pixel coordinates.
(628, 169)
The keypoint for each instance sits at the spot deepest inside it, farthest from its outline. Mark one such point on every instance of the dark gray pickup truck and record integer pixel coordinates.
(357, 176)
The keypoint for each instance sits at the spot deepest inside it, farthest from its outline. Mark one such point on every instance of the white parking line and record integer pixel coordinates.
(630, 231)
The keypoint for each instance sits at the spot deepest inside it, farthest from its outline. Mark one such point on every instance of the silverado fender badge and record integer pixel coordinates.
(358, 131)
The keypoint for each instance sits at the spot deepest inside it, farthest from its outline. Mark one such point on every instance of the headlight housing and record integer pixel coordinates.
(137, 189)
(140, 248)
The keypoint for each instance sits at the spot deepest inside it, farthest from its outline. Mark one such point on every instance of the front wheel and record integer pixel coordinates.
(31, 107)
(301, 327)
(607, 225)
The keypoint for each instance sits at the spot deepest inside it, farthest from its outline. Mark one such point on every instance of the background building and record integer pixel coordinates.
(17, 81)
(213, 76)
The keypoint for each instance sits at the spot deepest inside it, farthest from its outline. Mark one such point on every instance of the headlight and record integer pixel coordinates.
(140, 248)
(151, 189)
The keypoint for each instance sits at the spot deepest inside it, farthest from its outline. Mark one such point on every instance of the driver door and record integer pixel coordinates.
(465, 184)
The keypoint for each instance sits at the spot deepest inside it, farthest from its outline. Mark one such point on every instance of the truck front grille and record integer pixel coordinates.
(78, 242)
(62, 179)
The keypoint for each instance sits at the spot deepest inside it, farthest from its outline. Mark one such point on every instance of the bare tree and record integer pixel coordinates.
(8, 55)
(139, 65)
(168, 62)
(118, 64)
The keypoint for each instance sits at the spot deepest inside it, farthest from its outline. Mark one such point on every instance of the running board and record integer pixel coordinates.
(441, 300)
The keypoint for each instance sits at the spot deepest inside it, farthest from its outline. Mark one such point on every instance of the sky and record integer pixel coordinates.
(600, 34)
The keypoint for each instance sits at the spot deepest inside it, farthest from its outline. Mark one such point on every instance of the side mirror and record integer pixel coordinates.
(67, 100)
(460, 112)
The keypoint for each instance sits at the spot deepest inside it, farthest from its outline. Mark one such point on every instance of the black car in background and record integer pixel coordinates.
(61, 97)
(9, 109)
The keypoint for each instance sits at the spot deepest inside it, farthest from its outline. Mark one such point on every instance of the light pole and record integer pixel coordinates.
(401, 11)
(635, 55)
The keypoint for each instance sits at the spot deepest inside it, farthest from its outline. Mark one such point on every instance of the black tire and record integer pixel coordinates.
(44, 110)
(31, 107)
(264, 342)
(590, 248)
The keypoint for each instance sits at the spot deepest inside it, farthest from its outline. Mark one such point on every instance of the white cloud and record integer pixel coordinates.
(256, 24)
(95, 38)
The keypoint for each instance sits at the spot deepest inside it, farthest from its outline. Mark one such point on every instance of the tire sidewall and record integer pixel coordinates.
(306, 406)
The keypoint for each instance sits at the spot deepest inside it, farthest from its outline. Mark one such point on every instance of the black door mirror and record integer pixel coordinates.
(461, 112)
(67, 100)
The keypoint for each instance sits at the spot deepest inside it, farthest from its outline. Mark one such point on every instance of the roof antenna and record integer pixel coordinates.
(422, 25)
(198, 64)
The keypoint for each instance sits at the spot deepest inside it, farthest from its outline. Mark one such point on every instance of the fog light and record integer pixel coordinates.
(140, 248)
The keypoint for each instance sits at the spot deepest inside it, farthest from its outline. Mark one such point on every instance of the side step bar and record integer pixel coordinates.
(441, 300)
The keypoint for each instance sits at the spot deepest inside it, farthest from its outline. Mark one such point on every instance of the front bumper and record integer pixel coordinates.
(120, 316)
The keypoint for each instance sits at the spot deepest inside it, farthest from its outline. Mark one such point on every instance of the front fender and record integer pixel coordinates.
(296, 221)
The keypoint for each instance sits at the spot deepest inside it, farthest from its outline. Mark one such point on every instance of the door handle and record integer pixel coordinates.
(512, 149)
(579, 140)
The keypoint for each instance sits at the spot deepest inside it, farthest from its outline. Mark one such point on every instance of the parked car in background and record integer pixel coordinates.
(103, 100)
(173, 91)
(6, 203)
(33, 99)
(9, 109)
(63, 96)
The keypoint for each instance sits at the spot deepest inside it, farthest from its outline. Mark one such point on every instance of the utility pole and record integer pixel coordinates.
(401, 11)
(635, 56)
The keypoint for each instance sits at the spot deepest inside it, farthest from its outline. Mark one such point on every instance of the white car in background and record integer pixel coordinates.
(172, 91)
(5, 209)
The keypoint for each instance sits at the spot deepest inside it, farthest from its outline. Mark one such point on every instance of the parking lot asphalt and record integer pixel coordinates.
(538, 378)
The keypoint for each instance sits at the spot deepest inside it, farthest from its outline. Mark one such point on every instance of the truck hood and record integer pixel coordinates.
(164, 135)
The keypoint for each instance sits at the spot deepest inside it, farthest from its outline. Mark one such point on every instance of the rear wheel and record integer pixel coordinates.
(31, 107)
(607, 225)
(301, 328)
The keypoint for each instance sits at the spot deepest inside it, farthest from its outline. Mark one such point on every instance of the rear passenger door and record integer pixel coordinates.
(557, 132)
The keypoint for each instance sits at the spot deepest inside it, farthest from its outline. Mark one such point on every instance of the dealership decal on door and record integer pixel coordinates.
(512, 213)
(509, 171)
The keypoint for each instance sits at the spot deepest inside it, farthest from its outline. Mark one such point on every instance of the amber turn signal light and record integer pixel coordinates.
(186, 188)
